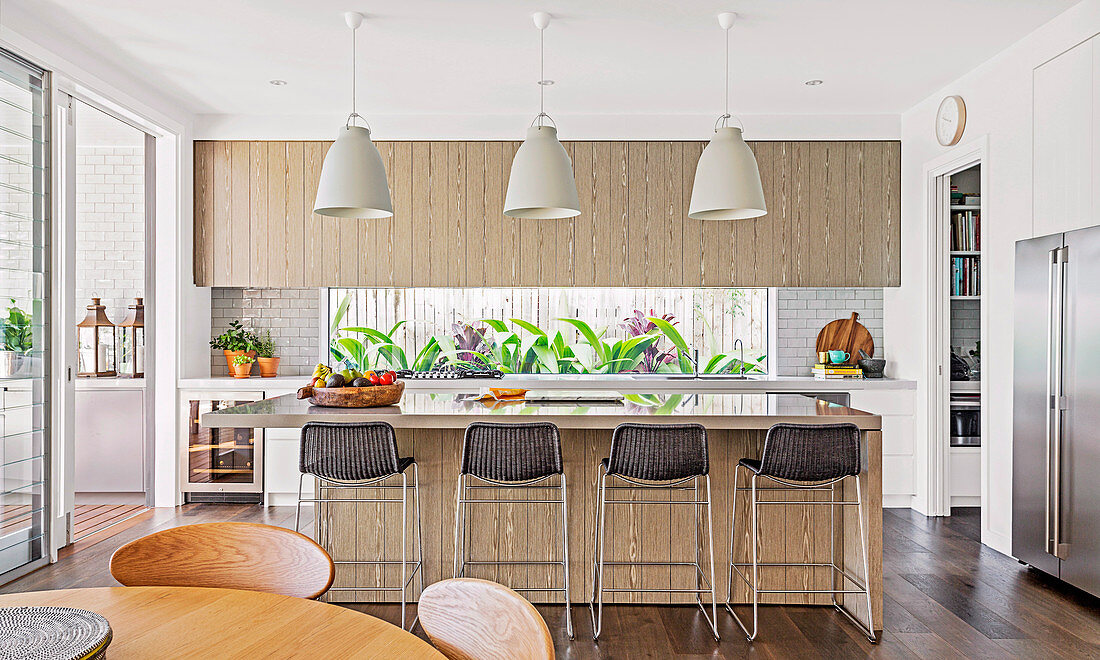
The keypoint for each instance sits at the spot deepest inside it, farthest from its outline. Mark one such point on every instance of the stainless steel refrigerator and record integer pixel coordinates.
(1056, 407)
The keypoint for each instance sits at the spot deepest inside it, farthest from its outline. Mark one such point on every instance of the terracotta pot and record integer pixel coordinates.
(241, 370)
(229, 355)
(269, 367)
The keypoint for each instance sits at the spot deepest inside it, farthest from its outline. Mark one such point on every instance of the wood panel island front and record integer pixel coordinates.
(430, 428)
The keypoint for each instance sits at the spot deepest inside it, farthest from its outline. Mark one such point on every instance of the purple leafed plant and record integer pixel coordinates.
(469, 338)
(638, 325)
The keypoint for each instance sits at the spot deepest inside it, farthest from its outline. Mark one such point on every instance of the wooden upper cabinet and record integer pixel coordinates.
(833, 219)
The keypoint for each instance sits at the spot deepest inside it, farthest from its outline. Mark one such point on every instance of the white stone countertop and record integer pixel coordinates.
(630, 382)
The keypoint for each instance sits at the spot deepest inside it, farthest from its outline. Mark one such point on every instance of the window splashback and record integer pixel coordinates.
(485, 320)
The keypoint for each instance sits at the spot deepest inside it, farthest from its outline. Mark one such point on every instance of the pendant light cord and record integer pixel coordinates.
(726, 114)
(542, 73)
(354, 115)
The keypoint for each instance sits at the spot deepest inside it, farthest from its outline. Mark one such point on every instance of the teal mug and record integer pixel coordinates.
(839, 357)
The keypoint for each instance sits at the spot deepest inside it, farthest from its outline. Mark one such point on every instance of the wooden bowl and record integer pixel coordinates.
(354, 397)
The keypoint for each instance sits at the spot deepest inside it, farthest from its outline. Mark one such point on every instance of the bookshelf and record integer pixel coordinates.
(964, 291)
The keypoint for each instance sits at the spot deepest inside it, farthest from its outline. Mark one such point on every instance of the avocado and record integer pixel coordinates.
(335, 380)
(360, 382)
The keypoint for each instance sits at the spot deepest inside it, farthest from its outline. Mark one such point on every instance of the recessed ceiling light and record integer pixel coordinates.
(813, 83)
(277, 82)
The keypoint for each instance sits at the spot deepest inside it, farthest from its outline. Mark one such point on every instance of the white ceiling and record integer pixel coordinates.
(477, 57)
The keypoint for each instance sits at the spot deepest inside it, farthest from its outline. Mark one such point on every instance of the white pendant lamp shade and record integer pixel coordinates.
(727, 180)
(353, 179)
(541, 185)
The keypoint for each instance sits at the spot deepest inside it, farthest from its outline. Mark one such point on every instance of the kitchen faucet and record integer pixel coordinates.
(738, 344)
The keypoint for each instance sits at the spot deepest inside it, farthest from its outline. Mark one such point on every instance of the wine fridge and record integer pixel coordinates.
(220, 465)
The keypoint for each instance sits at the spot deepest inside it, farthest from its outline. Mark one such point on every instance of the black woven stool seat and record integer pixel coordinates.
(658, 452)
(511, 452)
(356, 451)
(809, 452)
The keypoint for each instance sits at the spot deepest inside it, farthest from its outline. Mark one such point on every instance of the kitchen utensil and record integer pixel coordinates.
(839, 357)
(353, 397)
(872, 367)
(863, 354)
(848, 335)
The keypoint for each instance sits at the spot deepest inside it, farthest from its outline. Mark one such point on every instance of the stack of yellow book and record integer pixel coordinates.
(836, 371)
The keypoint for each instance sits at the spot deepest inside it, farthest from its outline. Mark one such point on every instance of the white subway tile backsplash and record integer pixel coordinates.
(803, 312)
(290, 315)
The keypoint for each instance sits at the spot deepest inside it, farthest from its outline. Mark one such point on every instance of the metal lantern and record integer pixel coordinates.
(131, 342)
(95, 337)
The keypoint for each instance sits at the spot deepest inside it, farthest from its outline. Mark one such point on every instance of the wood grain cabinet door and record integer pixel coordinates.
(833, 219)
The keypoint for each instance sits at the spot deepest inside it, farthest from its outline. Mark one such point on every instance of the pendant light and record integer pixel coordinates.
(727, 179)
(541, 185)
(353, 178)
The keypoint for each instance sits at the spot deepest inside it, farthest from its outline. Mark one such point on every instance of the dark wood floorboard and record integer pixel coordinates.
(947, 596)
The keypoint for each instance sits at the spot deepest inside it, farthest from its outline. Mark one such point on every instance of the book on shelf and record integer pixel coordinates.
(836, 371)
(966, 276)
(966, 231)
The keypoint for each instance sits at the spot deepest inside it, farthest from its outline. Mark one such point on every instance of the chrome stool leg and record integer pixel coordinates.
(565, 558)
(594, 608)
(837, 573)
(596, 602)
(462, 503)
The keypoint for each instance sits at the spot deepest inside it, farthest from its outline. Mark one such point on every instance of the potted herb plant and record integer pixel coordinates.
(234, 342)
(265, 355)
(241, 366)
(17, 340)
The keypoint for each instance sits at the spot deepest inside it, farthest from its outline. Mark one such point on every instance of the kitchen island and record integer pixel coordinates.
(430, 426)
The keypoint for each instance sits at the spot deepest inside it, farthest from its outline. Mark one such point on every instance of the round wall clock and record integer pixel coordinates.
(950, 120)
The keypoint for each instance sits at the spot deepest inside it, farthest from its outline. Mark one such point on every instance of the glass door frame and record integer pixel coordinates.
(45, 312)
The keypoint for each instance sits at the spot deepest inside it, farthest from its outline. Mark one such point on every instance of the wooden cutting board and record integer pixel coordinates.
(848, 335)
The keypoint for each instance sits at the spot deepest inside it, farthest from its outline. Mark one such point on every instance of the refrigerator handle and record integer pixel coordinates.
(1055, 395)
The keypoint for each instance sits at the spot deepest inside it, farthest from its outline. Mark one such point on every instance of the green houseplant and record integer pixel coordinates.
(17, 340)
(241, 366)
(236, 340)
(265, 355)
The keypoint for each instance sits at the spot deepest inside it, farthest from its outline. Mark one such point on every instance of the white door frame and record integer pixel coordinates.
(937, 464)
(63, 332)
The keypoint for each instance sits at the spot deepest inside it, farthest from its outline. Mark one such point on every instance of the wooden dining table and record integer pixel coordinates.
(185, 622)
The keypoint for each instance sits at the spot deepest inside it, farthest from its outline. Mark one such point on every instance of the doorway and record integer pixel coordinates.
(107, 218)
(956, 456)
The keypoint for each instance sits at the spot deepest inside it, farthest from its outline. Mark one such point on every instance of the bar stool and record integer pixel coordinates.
(656, 456)
(361, 455)
(803, 457)
(504, 456)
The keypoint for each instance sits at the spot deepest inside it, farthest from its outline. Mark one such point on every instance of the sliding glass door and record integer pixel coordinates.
(24, 315)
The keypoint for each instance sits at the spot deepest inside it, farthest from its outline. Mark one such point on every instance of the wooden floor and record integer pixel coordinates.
(91, 518)
(947, 596)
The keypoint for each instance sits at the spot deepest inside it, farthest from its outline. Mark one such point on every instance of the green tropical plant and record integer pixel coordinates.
(17, 330)
(612, 358)
(518, 346)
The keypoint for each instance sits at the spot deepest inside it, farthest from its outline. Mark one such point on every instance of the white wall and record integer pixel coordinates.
(998, 98)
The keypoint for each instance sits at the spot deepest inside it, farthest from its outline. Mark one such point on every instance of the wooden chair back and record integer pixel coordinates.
(469, 619)
(228, 555)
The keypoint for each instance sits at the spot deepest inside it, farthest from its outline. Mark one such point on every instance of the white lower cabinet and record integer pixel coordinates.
(109, 441)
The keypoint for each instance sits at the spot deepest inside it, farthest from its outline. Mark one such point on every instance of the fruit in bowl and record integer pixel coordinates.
(324, 377)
